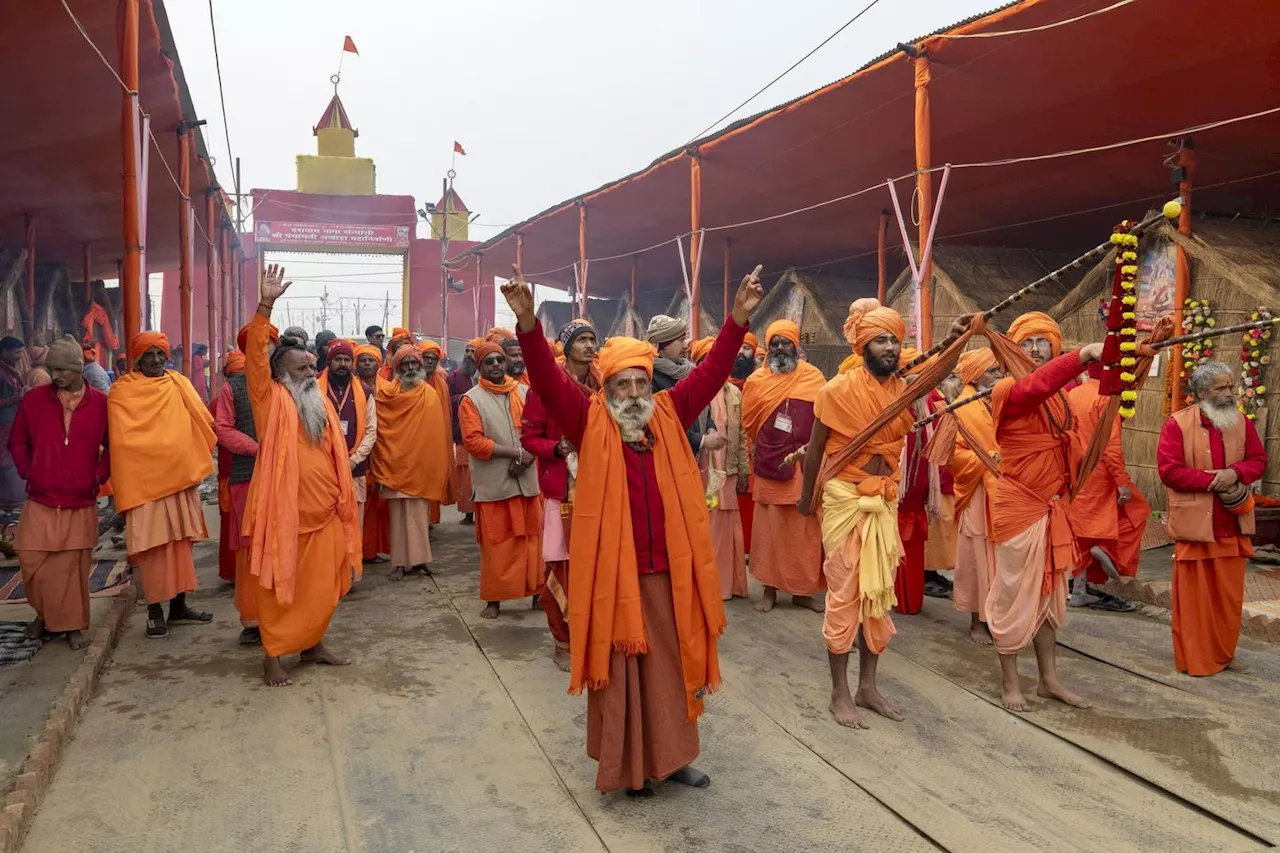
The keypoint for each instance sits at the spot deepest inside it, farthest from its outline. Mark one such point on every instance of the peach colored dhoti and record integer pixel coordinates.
(410, 518)
(55, 554)
(158, 538)
(975, 557)
(1016, 607)
(851, 602)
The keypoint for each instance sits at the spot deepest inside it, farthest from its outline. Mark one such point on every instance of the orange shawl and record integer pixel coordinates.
(969, 472)
(441, 384)
(765, 391)
(161, 438)
(407, 455)
(604, 585)
(510, 387)
(271, 518)
(357, 393)
(849, 403)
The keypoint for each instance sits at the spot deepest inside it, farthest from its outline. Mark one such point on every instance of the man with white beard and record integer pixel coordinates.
(301, 517)
(644, 590)
(1208, 456)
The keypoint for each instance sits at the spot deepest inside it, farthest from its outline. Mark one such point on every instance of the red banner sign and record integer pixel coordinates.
(326, 237)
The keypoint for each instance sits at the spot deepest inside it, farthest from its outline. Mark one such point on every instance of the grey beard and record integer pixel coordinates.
(631, 416)
(311, 406)
(1223, 417)
(782, 362)
(409, 381)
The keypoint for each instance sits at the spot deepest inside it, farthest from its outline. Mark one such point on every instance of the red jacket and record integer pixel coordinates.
(62, 469)
(539, 435)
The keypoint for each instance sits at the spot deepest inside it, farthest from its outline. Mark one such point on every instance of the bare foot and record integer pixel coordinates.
(490, 611)
(273, 674)
(397, 573)
(870, 698)
(808, 602)
(319, 654)
(77, 640)
(980, 634)
(34, 629)
(1013, 700)
(563, 659)
(1062, 694)
(767, 601)
(842, 708)
(1237, 665)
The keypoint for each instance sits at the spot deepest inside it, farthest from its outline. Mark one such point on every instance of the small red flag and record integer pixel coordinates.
(457, 147)
(349, 46)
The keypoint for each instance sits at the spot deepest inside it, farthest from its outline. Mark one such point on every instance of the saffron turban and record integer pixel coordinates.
(620, 353)
(402, 355)
(750, 340)
(486, 349)
(760, 352)
(144, 341)
(369, 350)
(699, 348)
(235, 362)
(782, 329)
(242, 337)
(875, 323)
(399, 332)
(498, 334)
(857, 310)
(1037, 324)
(341, 347)
(430, 346)
(475, 342)
(974, 363)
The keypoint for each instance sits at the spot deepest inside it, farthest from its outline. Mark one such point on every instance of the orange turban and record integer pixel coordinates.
(242, 339)
(857, 310)
(486, 349)
(1037, 324)
(144, 341)
(369, 350)
(760, 352)
(974, 363)
(475, 342)
(431, 346)
(750, 340)
(399, 332)
(498, 334)
(875, 323)
(235, 362)
(620, 353)
(699, 348)
(402, 354)
(782, 329)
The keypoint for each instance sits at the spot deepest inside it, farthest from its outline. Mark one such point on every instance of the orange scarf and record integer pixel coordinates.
(161, 438)
(604, 585)
(967, 466)
(357, 392)
(847, 405)
(271, 517)
(509, 387)
(765, 391)
(446, 415)
(406, 455)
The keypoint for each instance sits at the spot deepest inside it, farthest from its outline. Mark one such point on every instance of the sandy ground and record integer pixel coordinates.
(455, 733)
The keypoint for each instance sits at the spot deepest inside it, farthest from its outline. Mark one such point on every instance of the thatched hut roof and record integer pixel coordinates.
(830, 298)
(556, 315)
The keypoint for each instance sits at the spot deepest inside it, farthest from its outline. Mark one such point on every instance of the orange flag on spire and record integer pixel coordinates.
(457, 147)
(349, 46)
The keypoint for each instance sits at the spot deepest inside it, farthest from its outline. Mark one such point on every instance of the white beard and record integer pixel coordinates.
(409, 381)
(631, 416)
(1223, 417)
(781, 362)
(312, 409)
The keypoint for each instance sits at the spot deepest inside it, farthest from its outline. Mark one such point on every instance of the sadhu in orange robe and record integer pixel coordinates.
(508, 510)
(375, 519)
(975, 489)
(162, 449)
(302, 521)
(440, 382)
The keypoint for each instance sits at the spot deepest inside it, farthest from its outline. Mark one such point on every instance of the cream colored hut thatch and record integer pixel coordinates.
(819, 304)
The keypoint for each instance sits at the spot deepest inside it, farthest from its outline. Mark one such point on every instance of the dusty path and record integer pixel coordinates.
(455, 733)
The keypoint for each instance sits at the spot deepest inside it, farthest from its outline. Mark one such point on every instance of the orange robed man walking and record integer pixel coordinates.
(505, 483)
(976, 483)
(162, 449)
(644, 593)
(1208, 456)
(777, 414)
(375, 522)
(357, 416)
(1108, 514)
(302, 522)
(409, 462)
(1039, 440)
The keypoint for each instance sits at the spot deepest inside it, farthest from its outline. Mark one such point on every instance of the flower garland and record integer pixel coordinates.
(1254, 356)
(1197, 316)
(1122, 322)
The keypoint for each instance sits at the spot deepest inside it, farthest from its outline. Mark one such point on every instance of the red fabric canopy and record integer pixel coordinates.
(1139, 70)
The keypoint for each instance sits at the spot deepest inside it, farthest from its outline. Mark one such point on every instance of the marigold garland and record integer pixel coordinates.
(1119, 350)
(1197, 316)
(1254, 357)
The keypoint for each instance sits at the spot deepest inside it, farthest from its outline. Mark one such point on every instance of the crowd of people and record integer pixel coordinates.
(627, 485)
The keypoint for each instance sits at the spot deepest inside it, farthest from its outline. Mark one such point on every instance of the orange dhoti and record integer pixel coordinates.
(246, 593)
(433, 512)
(727, 539)
(159, 536)
(908, 580)
(858, 595)
(1016, 604)
(322, 579)
(376, 532)
(940, 550)
(786, 547)
(55, 552)
(1208, 594)
(462, 480)
(844, 606)
(975, 557)
(510, 536)
(1126, 549)
(409, 517)
(638, 726)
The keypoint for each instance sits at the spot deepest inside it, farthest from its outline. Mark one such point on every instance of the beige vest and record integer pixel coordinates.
(1191, 513)
(489, 478)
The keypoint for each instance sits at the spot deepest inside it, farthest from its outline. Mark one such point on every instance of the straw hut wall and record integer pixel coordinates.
(626, 321)
(967, 279)
(819, 305)
(554, 316)
(1235, 264)
(679, 307)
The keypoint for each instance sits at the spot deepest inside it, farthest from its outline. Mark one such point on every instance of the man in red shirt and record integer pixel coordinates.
(58, 443)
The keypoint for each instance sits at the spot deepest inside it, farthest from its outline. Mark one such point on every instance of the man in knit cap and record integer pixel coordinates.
(671, 337)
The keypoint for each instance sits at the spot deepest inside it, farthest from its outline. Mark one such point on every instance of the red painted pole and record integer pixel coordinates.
(695, 246)
(211, 281)
(185, 252)
(130, 126)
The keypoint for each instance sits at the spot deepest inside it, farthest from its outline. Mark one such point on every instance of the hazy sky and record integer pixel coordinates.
(549, 98)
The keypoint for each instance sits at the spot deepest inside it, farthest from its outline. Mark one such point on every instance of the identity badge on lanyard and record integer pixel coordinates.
(782, 422)
(345, 426)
